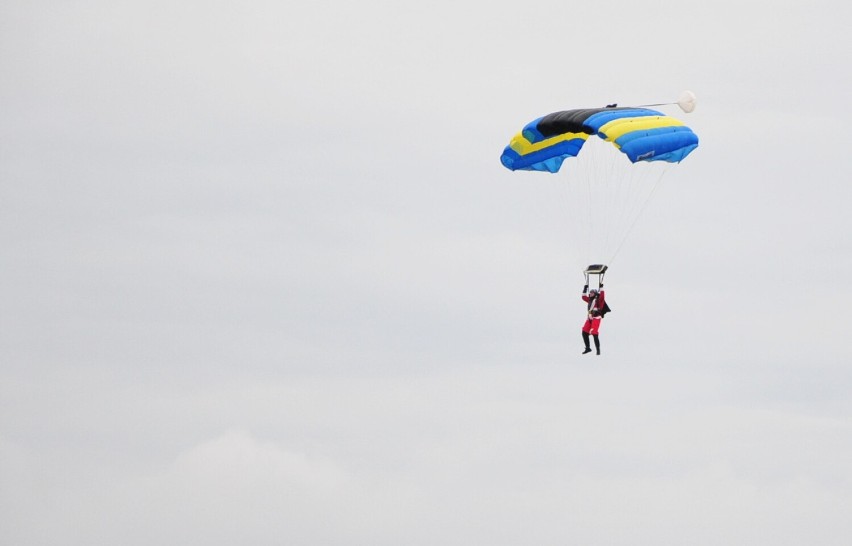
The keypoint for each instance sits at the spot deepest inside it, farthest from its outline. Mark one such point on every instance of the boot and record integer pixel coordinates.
(597, 344)
(586, 341)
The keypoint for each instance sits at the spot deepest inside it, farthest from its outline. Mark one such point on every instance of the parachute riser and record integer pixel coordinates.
(595, 270)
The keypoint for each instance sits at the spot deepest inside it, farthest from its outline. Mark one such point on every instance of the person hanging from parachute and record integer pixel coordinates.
(643, 136)
(596, 307)
(595, 300)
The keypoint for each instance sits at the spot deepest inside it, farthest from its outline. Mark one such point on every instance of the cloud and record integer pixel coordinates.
(237, 459)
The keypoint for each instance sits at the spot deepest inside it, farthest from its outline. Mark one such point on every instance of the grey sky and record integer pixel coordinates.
(264, 280)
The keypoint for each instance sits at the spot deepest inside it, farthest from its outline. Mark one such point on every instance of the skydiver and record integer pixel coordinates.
(597, 308)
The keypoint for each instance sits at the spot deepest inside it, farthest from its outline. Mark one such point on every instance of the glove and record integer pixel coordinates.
(585, 288)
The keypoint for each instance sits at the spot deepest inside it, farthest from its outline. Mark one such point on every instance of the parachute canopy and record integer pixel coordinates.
(640, 133)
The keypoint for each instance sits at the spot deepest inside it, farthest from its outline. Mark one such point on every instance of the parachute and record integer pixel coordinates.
(640, 133)
(609, 179)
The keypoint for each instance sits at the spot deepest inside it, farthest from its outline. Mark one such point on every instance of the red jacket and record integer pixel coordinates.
(595, 303)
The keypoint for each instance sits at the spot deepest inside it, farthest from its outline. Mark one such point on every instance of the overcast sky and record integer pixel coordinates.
(263, 279)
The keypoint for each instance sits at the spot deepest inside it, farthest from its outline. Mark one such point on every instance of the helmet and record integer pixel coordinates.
(593, 292)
